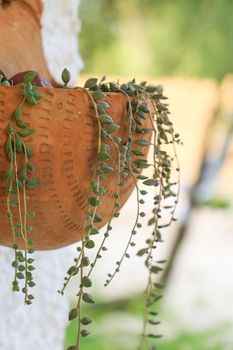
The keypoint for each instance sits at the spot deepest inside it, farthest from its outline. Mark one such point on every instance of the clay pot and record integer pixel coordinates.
(65, 152)
(20, 38)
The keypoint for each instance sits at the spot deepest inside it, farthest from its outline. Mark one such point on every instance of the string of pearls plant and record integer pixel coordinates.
(144, 102)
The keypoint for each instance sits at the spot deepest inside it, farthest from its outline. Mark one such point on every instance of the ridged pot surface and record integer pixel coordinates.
(64, 152)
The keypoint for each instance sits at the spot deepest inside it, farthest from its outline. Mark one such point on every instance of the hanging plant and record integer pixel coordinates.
(118, 156)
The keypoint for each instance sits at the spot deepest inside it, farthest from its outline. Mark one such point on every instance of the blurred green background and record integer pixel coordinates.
(157, 37)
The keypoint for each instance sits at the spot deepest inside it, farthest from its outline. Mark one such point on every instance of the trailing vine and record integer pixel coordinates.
(143, 102)
(145, 105)
(19, 179)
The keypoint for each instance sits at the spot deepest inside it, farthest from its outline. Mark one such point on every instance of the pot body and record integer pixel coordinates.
(64, 152)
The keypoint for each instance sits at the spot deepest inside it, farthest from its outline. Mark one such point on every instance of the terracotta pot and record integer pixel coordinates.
(20, 38)
(65, 152)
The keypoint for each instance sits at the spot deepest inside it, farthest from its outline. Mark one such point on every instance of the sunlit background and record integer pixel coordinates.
(187, 45)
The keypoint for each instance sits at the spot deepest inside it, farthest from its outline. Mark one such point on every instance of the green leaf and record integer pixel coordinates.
(66, 76)
(5, 83)
(20, 123)
(84, 333)
(36, 93)
(151, 221)
(141, 163)
(142, 115)
(8, 173)
(85, 261)
(106, 119)
(73, 270)
(87, 298)
(145, 130)
(30, 166)
(158, 285)
(31, 214)
(30, 260)
(94, 201)
(73, 314)
(142, 251)
(97, 189)
(137, 153)
(31, 100)
(142, 177)
(8, 149)
(98, 95)
(154, 336)
(153, 313)
(18, 183)
(31, 284)
(151, 88)
(29, 151)
(142, 142)
(20, 275)
(29, 77)
(21, 268)
(104, 152)
(144, 108)
(117, 139)
(143, 192)
(85, 321)
(32, 183)
(23, 174)
(86, 282)
(94, 231)
(17, 113)
(90, 83)
(90, 244)
(110, 128)
(31, 268)
(107, 169)
(114, 87)
(151, 182)
(103, 156)
(26, 132)
(97, 218)
(104, 148)
(18, 144)
(155, 269)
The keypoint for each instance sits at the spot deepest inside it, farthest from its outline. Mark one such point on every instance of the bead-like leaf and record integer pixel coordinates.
(32, 183)
(86, 282)
(151, 182)
(110, 128)
(90, 83)
(29, 77)
(142, 142)
(85, 321)
(66, 76)
(26, 132)
(73, 314)
(87, 298)
(90, 244)
(142, 251)
(84, 333)
(98, 95)
(93, 201)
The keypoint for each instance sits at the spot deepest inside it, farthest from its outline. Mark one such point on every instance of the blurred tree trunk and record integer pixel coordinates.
(202, 189)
